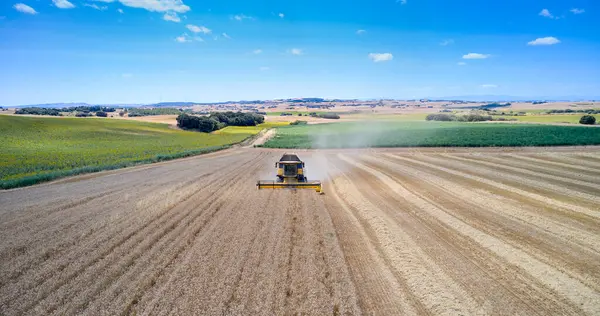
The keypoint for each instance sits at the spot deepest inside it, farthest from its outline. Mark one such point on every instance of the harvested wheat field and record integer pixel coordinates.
(462, 232)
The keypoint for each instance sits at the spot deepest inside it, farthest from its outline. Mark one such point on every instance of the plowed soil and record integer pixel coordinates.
(398, 232)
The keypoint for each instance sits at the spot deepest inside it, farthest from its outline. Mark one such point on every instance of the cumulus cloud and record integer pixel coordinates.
(172, 16)
(184, 38)
(24, 8)
(157, 5)
(546, 13)
(489, 86)
(475, 56)
(544, 41)
(447, 42)
(360, 32)
(257, 51)
(198, 29)
(281, 15)
(296, 51)
(240, 17)
(461, 63)
(63, 4)
(379, 57)
(226, 36)
(577, 11)
(94, 6)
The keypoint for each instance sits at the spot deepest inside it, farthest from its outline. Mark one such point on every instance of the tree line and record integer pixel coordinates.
(218, 120)
(560, 111)
(83, 111)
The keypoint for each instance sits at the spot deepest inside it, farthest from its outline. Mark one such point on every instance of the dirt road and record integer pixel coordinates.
(398, 232)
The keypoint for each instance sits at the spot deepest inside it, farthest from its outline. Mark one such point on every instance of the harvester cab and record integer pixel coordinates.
(290, 175)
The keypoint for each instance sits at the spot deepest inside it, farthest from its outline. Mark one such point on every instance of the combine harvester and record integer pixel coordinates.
(290, 175)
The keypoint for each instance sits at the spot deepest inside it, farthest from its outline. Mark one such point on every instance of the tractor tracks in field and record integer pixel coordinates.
(454, 213)
(397, 232)
(105, 256)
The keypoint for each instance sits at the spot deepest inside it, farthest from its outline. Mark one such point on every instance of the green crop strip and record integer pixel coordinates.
(430, 134)
(37, 149)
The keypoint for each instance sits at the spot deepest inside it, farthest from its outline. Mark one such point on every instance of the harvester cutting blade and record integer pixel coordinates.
(268, 184)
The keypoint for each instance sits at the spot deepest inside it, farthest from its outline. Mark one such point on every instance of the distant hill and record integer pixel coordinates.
(504, 98)
(172, 104)
(72, 105)
(53, 105)
(468, 98)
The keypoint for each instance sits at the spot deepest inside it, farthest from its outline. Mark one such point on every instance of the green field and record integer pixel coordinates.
(551, 118)
(430, 134)
(36, 149)
(252, 130)
(390, 117)
(307, 112)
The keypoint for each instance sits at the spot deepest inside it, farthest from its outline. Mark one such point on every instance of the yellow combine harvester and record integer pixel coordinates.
(290, 175)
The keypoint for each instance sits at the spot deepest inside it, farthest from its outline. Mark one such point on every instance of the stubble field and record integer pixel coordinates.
(399, 231)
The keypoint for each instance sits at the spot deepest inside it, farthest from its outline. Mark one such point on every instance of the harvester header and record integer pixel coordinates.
(290, 175)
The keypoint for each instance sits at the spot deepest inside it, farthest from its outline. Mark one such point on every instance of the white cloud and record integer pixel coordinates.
(157, 5)
(461, 63)
(489, 86)
(127, 75)
(264, 68)
(577, 11)
(226, 36)
(379, 57)
(24, 8)
(198, 29)
(475, 56)
(172, 16)
(545, 13)
(63, 4)
(184, 38)
(296, 51)
(257, 51)
(281, 15)
(94, 6)
(360, 32)
(120, 11)
(447, 42)
(240, 17)
(544, 41)
(402, 2)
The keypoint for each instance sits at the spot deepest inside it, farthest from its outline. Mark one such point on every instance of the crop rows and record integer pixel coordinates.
(37, 149)
(430, 134)
(398, 232)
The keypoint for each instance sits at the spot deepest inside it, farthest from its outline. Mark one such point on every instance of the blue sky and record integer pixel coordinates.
(141, 51)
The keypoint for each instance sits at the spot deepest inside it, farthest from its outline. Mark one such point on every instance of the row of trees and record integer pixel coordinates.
(157, 111)
(91, 108)
(444, 117)
(38, 111)
(218, 120)
(237, 118)
(588, 111)
(82, 111)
